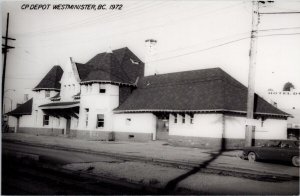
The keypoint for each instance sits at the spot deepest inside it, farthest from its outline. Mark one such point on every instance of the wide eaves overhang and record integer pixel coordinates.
(62, 109)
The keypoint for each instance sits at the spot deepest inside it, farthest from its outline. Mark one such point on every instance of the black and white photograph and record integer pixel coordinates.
(150, 97)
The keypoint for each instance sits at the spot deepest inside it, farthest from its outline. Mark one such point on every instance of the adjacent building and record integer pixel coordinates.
(109, 98)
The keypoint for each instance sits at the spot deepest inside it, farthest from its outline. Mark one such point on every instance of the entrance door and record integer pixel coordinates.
(162, 129)
(68, 126)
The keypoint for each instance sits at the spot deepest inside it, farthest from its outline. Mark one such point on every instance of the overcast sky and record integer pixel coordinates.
(191, 35)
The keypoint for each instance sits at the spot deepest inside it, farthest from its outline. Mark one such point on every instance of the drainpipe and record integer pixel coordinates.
(155, 129)
(18, 124)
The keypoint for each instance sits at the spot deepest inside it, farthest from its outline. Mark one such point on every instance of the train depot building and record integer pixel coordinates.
(109, 98)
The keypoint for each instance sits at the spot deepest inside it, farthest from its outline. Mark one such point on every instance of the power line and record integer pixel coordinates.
(134, 13)
(278, 13)
(209, 48)
(287, 28)
(82, 22)
(281, 34)
(95, 20)
(188, 53)
(222, 38)
(155, 26)
(219, 45)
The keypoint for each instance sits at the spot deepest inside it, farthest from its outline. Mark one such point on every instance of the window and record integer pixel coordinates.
(102, 89)
(46, 120)
(47, 94)
(175, 118)
(86, 117)
(128, 120)
(192, 119)
(100, 120)
(183, 118)
(134, 61)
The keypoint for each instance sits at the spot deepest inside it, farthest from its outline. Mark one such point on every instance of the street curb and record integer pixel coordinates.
(180, 164)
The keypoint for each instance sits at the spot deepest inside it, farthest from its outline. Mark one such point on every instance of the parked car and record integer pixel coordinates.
(285, 150)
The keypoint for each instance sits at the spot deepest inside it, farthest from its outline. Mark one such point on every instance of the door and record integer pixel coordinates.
(162, 129)
(68, 126)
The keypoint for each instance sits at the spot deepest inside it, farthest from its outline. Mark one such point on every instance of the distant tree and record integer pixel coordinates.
(288, 86)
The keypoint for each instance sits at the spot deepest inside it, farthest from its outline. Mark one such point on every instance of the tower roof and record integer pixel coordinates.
(52, 80)
(120, 66)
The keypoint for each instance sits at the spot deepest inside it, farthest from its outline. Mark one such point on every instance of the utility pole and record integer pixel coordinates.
(5, 50)
(251, 74)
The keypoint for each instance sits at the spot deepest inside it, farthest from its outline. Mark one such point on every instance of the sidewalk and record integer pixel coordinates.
(157, 150)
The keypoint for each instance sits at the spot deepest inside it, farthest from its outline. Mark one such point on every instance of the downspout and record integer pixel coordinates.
(223, 140)
(18, 124)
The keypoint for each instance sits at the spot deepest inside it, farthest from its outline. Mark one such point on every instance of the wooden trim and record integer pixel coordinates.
(197, 111)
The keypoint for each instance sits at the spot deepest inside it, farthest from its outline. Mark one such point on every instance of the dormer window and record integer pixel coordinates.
(134, 61)
(47, 94)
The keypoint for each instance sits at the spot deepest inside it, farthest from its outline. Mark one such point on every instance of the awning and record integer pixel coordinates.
(62, 109)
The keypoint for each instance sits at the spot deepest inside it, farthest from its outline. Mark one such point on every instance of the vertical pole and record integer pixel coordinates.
(18, 124)
(251, 74)
(4, 59)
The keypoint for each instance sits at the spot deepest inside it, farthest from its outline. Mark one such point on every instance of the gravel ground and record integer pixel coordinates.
(159, 176)
(157, 149)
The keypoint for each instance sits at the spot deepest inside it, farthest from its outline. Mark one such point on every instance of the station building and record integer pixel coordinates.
(109, 98)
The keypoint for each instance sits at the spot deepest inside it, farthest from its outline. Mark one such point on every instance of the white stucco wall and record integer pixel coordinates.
(269, 129)
(234, 127)
(272, 129)
(139, 123)
(98, 103)
(204, 125)
(26, 121)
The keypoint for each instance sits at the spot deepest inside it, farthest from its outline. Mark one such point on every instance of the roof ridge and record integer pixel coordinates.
(181, 83)
(180, 72)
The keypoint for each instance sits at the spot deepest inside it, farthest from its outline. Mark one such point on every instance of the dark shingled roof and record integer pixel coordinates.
(51, 80)
(119, 66)
(198, 90)
(23, 109)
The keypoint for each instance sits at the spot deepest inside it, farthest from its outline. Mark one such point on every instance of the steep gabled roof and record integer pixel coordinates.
(24, 109)
(120, 66)
(52, 80)
(203, 90)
